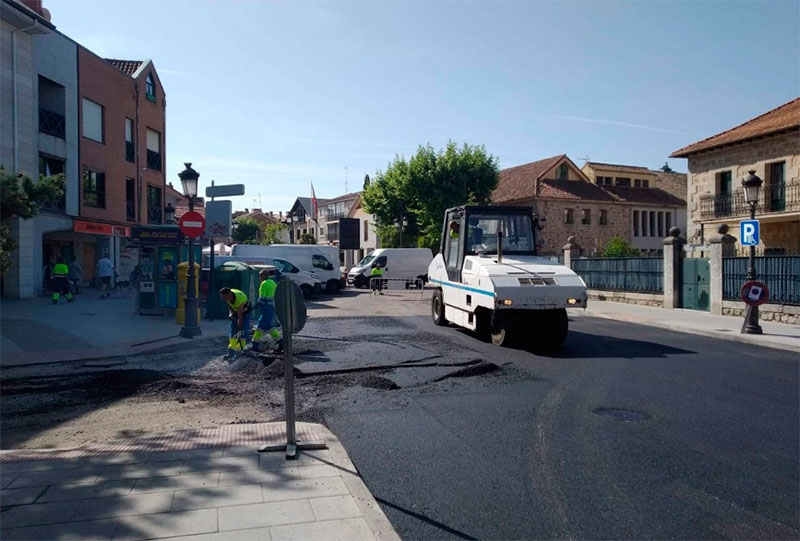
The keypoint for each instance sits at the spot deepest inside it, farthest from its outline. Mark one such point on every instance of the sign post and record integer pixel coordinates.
(217, 228)
(290, 308)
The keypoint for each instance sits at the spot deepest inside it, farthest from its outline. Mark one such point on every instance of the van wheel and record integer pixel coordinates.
(557, 327)
(333, 288)
(307, 291)
(360, 282)
(503, 332)
(437, 309)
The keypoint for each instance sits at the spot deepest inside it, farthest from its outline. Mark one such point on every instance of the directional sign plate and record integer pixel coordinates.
(225, 191)
(749, 233)
(755, 293)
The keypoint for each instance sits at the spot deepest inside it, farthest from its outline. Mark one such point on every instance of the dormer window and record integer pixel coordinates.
(150, 87)
(562, 173)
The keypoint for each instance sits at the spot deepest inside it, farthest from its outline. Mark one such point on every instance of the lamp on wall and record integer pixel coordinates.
(169, 214)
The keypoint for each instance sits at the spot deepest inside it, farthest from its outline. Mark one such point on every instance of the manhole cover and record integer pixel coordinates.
(619, 414)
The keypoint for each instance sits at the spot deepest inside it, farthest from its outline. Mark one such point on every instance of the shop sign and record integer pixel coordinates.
(79, 226)
(153, 235)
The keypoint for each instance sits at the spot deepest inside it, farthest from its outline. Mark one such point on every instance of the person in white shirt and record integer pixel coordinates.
(105, 270)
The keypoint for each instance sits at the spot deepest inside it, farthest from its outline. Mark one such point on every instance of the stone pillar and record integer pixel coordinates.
(722, 245)
(571, 251)
(673, 256)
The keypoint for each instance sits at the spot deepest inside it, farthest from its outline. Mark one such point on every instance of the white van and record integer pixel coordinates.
(305, 256)
(407, 263)
(308, 281)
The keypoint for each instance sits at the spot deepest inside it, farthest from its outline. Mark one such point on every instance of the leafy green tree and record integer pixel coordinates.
(20, 197)
(247, 231)
(666, 168)
(273, 233)
(418, 191)
(619, 247)
(307, 238)
(366, 181)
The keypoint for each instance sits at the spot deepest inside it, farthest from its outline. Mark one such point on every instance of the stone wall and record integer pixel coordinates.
(643, 299)
(766, 312)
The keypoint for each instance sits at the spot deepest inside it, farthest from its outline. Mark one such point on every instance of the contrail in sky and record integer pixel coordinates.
(615, 123)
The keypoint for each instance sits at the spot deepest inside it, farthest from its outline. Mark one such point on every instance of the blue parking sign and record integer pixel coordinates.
(749, 233)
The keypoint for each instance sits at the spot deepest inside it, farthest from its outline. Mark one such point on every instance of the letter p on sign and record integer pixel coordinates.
(748, 232)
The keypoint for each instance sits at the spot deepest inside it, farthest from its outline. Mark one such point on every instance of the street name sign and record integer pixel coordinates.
(192, 224)
(225, 190)
(749, 233)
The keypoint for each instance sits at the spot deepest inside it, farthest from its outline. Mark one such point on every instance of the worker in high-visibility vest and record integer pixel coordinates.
(376, 280)
(239, 314)
(60, 281)
(268, 323)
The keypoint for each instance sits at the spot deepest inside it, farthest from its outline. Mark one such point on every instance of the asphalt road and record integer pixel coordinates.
(628, 432)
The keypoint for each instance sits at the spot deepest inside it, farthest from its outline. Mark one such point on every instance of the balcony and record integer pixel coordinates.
(153, 160)
(51, 123)
(154, 215)
(774, 198)
(334, 216)
(130, 211)
(56, 204)
(130, 152)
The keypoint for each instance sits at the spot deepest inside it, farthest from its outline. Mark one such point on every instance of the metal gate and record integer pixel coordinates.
(695, 294)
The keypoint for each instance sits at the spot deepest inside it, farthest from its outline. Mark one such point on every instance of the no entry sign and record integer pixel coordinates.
(192, 224)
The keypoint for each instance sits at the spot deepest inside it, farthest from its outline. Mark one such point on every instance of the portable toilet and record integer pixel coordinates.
(235, 275)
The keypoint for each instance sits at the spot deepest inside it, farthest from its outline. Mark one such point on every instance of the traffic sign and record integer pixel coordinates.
(749, 233)
(224, 191)
(755, 293)
(290, 307)
(192, 224)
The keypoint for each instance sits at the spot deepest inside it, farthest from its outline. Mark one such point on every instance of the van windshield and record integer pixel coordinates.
(366, 261)
(483, 229)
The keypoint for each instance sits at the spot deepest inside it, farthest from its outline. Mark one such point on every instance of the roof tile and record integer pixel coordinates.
(128, 67)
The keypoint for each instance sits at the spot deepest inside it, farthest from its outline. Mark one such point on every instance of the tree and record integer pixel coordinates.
(619, 247)
(307, 238)
(273, 233)
(20, 197)
(247, 231)
(419, 190)
(366, 181)
(666, 168)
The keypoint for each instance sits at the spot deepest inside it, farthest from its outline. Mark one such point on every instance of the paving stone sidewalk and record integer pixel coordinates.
(205, 484)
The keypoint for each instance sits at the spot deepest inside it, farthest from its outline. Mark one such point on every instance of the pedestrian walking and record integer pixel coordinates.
(239, 313)
(60, 281)
(375, 280)
(268, 323)
(105, 270)
(75, 274)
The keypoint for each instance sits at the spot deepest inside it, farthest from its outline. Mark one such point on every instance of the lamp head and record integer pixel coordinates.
(751, 185)
(189, 180)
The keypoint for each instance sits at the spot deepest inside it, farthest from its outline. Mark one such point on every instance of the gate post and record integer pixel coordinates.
(673, 257)
(722, 245)
(571, 251)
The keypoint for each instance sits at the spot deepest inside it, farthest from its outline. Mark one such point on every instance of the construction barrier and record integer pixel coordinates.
(397, 284)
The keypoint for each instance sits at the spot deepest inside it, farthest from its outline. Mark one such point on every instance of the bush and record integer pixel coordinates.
(619, 247)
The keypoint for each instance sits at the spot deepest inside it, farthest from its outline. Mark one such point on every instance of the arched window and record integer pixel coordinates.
(150, 87)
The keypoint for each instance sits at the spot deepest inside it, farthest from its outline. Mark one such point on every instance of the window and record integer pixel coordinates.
(48, 167)
(724, 182)
(563, 172)
(322, 231)
(150, 87)
(51, 108)
(641, 183)
(94, 189)
(130, 199)
(154, 208)
(669, 221)
(603, 217)
(319, 262)
(153, 150)
(92, 120)
(636, 228)
(776, 186)
(622, 181)
(604, 181)
(366, 230)
(586, 216)
(130, 148)
(652, 224)
(568, 216)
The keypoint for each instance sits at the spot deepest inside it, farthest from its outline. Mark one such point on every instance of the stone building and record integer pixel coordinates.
(769, 145)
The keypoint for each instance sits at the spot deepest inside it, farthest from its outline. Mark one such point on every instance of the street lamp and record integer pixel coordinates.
(190, 327)
(169, 214)
(751, 186)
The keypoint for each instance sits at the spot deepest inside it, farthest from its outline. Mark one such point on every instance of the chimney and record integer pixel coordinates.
(36, 5)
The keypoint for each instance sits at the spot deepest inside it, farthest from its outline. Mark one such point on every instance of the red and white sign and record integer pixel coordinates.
(80, 226)
(755, 293)
(192, 224)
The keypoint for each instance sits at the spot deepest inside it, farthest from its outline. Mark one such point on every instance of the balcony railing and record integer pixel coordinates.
(130, 151)
(57, 204)
(773, 198)
(154, 215)
(154, 160)
(130, 211)
(333, 216)
(51, 123)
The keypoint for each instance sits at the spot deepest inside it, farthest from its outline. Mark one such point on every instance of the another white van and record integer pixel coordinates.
(308, 281)
(333, 279)
(305, 256)
(407, 263)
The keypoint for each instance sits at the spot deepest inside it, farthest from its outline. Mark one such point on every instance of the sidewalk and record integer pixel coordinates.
(34, 331)
(776, 335)
(207, 484)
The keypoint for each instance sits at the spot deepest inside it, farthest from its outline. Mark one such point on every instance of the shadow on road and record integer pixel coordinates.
(580, 345)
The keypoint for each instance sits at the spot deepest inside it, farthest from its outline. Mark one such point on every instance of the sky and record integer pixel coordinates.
(277, 95)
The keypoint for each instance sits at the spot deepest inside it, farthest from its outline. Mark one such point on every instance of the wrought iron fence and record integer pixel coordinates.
(52, 123)
(130, 211)
(154, 215)
(153, 160)
(774, 198)
(781, 274)
(637, 274)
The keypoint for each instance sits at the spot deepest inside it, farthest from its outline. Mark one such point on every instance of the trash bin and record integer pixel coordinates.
(183, 280)
(235, 275)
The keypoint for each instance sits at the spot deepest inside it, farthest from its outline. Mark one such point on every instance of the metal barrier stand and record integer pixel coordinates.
(406, 284)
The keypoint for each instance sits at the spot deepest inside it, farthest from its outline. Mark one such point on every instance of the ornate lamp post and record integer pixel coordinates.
(190, 328)
(751, 185)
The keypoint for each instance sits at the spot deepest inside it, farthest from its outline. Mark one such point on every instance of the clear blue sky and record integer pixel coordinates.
(276, 95)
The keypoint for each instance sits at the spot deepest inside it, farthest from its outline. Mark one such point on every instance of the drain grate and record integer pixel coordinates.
(620, 414)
